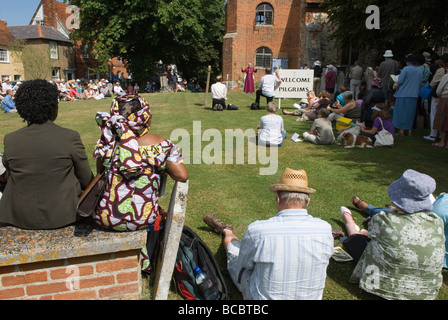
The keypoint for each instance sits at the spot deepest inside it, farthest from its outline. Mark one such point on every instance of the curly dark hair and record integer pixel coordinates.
(37, 101)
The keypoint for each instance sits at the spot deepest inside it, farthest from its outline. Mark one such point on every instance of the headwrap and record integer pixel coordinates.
(125, 131)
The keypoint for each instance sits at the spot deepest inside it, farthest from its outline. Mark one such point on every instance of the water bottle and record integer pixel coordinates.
(205, 284)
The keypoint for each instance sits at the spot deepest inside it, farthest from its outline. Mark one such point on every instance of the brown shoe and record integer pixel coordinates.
(217, 225)
(358, 203)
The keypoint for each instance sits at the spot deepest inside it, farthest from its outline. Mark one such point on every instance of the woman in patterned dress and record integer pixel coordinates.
(130, 201)
(405, 245)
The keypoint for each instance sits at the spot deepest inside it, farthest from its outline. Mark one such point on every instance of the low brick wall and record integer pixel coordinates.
(57, 265)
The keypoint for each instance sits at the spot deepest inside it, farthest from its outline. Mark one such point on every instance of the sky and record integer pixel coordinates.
(18, 12)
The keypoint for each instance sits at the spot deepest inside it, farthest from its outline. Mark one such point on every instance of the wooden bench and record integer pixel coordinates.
(84, 262)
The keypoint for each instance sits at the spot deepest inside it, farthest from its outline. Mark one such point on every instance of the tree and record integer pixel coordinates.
(185, 32)
(35, 59)
(405, 26)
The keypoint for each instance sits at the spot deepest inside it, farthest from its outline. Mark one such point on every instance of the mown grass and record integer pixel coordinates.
(238, 194)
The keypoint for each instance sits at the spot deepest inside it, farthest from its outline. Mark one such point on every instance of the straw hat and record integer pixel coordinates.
(292, 181)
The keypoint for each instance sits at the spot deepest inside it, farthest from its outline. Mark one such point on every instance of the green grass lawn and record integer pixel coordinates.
(238, 194)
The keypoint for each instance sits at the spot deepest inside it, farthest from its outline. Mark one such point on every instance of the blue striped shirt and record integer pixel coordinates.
(288, 255)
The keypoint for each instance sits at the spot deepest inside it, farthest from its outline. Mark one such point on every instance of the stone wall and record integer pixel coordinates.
(57, 265)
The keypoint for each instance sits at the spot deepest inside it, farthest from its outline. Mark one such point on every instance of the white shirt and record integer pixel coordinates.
(118, 90)
(271, 127)
(267, 85)
(219, 91)
(288, 255)
(6, 86)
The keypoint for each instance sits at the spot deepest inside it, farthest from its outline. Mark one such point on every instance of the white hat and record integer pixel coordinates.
(317, 63)
(388, 54)
(427, 56)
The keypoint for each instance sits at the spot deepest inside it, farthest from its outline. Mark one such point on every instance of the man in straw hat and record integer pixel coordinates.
(284, 257)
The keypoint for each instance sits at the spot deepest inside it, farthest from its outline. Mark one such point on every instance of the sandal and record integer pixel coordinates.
(437, 144)
(359, 203)
(356, 201)
(346, 212)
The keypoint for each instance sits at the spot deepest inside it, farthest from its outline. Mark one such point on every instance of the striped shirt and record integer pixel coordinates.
(288, 255)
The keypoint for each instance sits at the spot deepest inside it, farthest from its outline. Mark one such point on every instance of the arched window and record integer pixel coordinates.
(264, 14)
(263, 57)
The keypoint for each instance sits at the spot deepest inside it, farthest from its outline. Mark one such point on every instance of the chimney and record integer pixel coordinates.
(49, 13)
(6, 36)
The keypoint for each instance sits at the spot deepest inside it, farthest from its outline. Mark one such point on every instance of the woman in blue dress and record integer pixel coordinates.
(409, 85)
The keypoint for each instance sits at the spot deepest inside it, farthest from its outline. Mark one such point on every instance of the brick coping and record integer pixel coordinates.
(21, 246)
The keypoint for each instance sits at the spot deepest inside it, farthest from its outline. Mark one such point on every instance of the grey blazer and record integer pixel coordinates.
(47, 170)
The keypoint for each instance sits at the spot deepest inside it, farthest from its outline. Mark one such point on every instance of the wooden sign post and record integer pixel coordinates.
(208, 85)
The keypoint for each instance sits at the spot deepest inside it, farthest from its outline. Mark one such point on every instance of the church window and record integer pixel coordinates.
(264, 14)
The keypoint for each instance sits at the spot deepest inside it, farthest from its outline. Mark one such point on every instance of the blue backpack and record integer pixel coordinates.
(194, 252)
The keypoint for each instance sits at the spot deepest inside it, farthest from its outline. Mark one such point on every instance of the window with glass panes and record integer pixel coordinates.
(264, 14)
(4, 56)
(263, 57)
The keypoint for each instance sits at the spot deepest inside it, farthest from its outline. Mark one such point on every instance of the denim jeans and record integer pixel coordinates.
(372, 210)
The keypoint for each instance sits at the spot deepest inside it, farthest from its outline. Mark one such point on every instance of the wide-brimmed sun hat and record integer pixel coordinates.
(388, 54)
(412, 191)
(293, 181)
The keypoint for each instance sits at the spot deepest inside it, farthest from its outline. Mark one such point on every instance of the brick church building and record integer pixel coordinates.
(290, 32)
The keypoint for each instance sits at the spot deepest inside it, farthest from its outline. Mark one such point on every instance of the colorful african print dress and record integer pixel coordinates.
(130, 201)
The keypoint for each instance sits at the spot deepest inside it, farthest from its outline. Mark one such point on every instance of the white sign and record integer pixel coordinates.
(295, 83)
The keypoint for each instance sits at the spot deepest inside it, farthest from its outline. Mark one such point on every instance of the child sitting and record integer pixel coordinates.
(321, 131)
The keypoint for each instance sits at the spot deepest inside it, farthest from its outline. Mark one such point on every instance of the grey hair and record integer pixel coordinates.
(347, 95)
(294, 198)
(271, 107)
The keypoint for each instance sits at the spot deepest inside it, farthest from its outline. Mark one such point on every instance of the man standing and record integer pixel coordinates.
(385, 70)
(8, 103)
(286, 256)
(330, 79)
(317, 76)
(356, 73)
(219, 95)
(266, 87)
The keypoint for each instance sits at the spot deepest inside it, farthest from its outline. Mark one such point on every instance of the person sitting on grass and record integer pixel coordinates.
(271, 132)
(351, 109)
(311, 114)
(284, 257)
(321, 131)
(8, 103)
(383, 121)
(402, 255)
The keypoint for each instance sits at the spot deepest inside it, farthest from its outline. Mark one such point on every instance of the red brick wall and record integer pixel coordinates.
(244, 37)
(106, 276)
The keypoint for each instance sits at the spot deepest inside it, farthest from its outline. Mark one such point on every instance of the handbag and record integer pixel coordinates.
(89, 199)
(384, 138)
(425, 93)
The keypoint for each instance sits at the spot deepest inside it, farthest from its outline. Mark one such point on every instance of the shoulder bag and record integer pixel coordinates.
(384, 138)
(89, 199)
